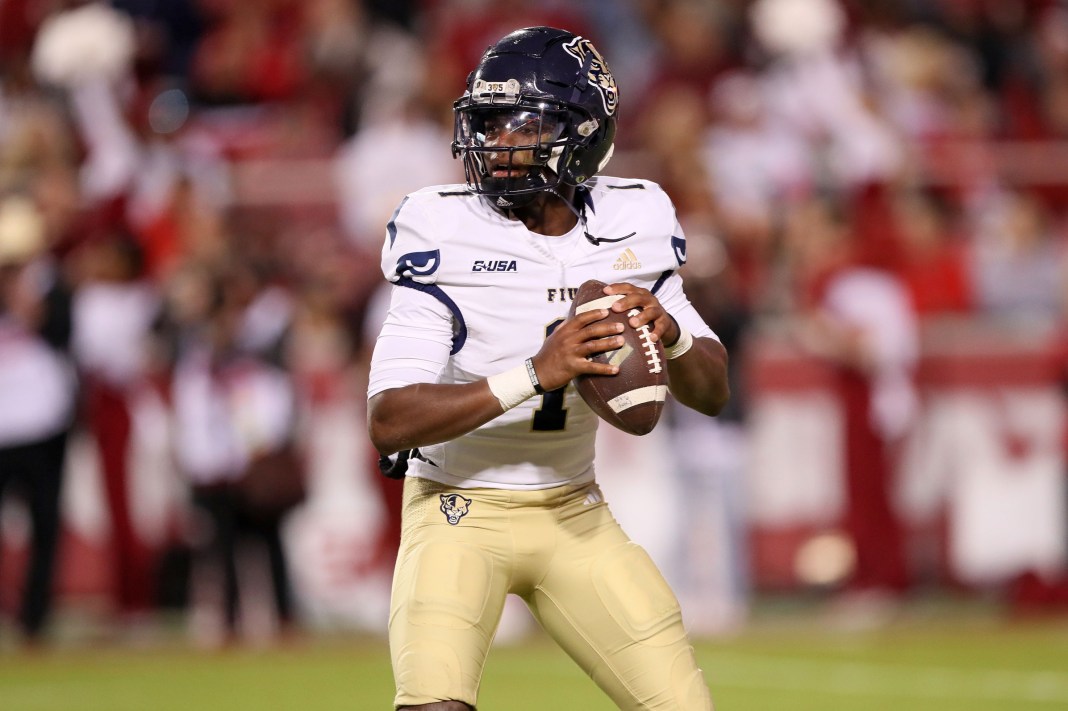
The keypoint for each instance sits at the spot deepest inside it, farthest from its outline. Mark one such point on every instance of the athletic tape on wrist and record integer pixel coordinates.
(511, 387)
(683, 344)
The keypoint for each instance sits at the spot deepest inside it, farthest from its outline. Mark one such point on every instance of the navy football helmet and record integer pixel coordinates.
(539, 111)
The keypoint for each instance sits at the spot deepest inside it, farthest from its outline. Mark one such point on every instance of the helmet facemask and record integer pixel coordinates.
(512, 152)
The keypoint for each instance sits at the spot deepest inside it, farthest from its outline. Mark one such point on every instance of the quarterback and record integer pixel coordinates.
(469, 392)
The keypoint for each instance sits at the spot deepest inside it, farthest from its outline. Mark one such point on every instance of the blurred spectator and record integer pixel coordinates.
(37, 395)
(815, 83)
(1020, 263)
(143, 165)
(250, 52)
(859, 319)
(755, 159)
(693, 47)
(934, 261)
(372, 181)
(623, 32)
(235, 419)
(114, 308)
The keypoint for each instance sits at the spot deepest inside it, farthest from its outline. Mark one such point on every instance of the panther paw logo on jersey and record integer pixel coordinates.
(627, 260)
(455, 507)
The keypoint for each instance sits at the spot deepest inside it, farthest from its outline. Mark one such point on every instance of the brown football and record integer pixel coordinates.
(633, 399)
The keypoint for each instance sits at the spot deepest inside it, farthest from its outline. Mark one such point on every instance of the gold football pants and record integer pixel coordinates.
(597, 594)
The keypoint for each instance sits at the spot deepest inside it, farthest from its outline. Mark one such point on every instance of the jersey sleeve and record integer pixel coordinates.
(669, 288)
(410, 251)
(675, 302)
(414, 343)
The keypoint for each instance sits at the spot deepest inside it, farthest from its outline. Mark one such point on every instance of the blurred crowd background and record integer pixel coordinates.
(193, 196)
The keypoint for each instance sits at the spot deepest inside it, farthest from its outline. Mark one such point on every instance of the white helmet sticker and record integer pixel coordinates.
(599, 74)
(509, 88)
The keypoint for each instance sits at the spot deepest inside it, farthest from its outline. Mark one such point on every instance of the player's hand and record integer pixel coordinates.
(565, 353)
(661, 324)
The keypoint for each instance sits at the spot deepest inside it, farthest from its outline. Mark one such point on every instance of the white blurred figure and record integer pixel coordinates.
(754, 158)
(816, 85)
(921, 77)
(373, 174)
(400, 144)
(37, 396)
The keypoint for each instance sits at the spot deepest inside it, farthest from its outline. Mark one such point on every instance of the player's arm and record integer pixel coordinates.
(427, 413)
(423, 413)
(696, 366)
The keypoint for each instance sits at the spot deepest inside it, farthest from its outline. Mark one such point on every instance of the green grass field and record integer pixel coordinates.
(938, 661)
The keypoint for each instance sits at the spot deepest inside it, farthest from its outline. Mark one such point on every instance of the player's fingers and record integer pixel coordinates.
(601, 330)
(592, 367)
(600, 345)
(645, 315)
(633, 300)
(662, 325)
(585, 318)
(632, 297)
(657, 320)
(622, 287)
(636, 298)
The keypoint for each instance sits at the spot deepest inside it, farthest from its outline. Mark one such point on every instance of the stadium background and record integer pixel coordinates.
(266, 144)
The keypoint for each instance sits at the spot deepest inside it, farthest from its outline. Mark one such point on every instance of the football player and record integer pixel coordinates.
(469, 386)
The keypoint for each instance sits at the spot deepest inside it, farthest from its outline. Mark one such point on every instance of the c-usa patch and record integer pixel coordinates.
(494, 265)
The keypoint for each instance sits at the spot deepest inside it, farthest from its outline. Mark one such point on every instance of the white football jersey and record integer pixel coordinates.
(476, 293)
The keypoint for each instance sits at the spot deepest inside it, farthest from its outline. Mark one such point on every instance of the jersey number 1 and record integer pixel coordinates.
(551, 416)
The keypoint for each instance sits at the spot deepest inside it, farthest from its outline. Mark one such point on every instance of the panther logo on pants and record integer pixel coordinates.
(454, 507)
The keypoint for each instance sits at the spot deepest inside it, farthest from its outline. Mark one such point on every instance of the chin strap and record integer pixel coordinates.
(580, 214)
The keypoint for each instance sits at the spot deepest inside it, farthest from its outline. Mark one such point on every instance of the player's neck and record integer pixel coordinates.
(549, 214)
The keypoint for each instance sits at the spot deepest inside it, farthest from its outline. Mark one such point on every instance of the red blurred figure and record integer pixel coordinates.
(113, 312)
(860, 321)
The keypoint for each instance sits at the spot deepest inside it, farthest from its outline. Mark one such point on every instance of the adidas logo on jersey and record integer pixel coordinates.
(627, 260)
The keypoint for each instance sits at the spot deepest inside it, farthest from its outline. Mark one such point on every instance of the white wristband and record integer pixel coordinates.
(682, 345)
(511, 387)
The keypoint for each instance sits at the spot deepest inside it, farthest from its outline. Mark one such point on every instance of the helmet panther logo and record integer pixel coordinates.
(599, 74)
(454, 506)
